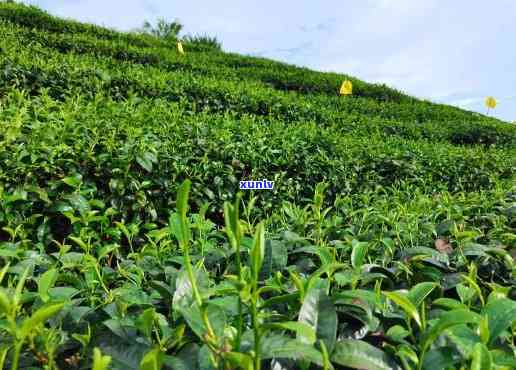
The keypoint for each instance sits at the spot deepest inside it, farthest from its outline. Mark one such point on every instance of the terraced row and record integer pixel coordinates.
(86, 75)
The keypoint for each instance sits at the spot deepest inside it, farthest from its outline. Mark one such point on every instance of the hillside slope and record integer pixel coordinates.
(374, 193)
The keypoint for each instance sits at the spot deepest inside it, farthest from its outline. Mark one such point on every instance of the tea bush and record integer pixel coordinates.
(387, 242)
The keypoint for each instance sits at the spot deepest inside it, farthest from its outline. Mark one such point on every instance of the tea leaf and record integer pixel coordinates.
(5, 304)
(239, 360)
(357, 354)
(404, 302)
(501, 313)
(146, 160)
(358, 253)
(305, 333)
(152, 360)
(278, 346)
(100, 362)
(39, 317)
(318, 312)
(419, 292)
(447, 320)
(145, 322)
(257, 251)
(481, 358)
(45, 282)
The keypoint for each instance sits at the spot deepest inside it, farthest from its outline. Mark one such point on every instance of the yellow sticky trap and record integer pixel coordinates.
(346, 88)
(180, 48)
(490, 102)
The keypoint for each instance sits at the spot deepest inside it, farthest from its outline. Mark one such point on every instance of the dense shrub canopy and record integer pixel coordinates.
(388, 240)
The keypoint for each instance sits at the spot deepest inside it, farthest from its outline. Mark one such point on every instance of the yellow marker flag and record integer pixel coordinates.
(180, 48)
(346, 88)
(490, 102)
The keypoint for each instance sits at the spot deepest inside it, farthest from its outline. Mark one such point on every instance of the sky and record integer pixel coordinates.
(453, 52)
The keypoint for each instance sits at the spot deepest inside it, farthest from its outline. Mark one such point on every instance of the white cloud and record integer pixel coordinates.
(466, 101)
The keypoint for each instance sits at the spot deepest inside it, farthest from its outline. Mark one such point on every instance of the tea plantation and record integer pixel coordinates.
(388, 241)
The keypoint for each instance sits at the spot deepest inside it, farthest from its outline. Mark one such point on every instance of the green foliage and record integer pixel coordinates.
(167, 31)
(387, 242)
(100, 362)
(357, 354)
(203, 42)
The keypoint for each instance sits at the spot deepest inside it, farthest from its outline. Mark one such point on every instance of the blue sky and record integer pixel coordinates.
(455, 52)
